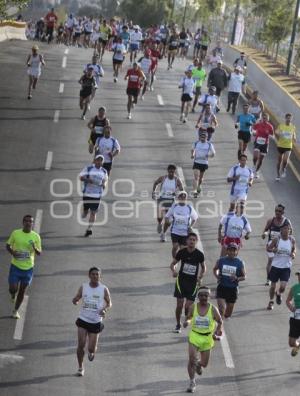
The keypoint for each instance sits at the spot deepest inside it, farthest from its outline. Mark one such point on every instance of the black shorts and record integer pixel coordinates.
(94, 136)
(186, 98)
(133, 92)
(94, 328)
(197, 45)
(85, 93)
(218, 91)
(107, 166)
(180, 239)
(117, 61)
(77, 34)
(87, 33)
(204, 47)
(91, 204)
(165, 203)
(294, 328)
(263, 148)
(279, 274)
(181, 45)
(200, 167)
(101, 41)
(185, 288)
(282, 150)
(229, 294)
(164, 42)
(244, 136)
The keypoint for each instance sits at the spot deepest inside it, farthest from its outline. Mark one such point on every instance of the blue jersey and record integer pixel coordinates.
(229, 267)
(246, 121)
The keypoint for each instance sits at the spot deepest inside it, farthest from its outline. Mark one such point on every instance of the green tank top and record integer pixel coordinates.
(199, 76)
(203, 324)
(296, 295)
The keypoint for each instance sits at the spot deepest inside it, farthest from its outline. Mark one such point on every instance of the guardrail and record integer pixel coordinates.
(12, 30)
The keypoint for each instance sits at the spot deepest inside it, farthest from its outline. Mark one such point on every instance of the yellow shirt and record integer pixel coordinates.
(286, 134)
(105, 32)
(20, 242)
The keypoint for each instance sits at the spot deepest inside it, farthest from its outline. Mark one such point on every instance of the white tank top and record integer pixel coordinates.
(282, 258)
(92, 303)
(168, 188)
(35, 62)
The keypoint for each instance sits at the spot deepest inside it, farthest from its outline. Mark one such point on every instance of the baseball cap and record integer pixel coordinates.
(220, 62)
(232, 245)
(97, 156)
(182, 193)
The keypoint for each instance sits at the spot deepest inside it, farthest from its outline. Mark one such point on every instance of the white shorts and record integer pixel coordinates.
(238, 196)
(33, 72)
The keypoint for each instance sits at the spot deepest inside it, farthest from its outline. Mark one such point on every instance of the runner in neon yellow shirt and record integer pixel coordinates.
(23, 244)
(199, 75)
(286, 136)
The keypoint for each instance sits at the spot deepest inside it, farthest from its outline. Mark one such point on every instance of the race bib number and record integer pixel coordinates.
(286, 135)
(243, 180)
(297, 314)
(90, 304)
(98, 129)
(202, 322)
(261, 140)
(174, 43)
(189, 269)
(180, 220)
(22, 255)
(228, 270)
(274, 234)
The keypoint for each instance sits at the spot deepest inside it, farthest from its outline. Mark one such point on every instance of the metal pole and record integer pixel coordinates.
(236, 17)
(184, 14)
(293, 36)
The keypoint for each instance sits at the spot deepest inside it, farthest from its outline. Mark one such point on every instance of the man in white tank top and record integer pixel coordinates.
(169, 185)
(95, 303)
(284, 249)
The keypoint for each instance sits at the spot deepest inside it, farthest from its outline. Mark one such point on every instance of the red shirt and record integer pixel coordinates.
(134, 78)
(155, 55)
(263, 130)
(51, 18)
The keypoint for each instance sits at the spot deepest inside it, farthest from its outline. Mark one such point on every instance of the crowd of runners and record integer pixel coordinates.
(144, 49)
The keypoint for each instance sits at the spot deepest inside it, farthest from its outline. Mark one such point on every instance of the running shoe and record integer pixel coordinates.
(159, 228)
(198, 367)
(277, 178)
(295, 350)
(80, 372)
(192, 387)
(195, 194)
(15, 314)
(29, 97)
(177, 329)
(88, 233)
(83, 117)
(278, 298)
(256, 175)
(268, 282)
(283, 174)
(91, 356)
(199, 190)
(163, 237)
(129, 116)
(142, 97)
(270, 306)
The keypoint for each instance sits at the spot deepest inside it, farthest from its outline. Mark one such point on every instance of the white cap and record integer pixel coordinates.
(182, 193)
(97, 156)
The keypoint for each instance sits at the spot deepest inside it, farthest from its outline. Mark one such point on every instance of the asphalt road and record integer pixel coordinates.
(138, 354)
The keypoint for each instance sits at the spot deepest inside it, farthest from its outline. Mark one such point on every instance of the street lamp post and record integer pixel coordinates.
(293, 36)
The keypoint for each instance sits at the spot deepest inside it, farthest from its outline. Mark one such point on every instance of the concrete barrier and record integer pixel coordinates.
(12, 30)
(277, 100)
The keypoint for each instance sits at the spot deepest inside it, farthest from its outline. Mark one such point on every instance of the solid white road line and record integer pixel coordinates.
(181, 175)
(61, 88)
(160, 100)
(56, 116)
(38, 220)
(7, 358)
(294, 170)
(169, 130)
(18, 334)
(64, 62)
(49, 160)
(66, 51)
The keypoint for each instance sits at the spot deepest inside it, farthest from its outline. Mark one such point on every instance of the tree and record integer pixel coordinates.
(6, 4)
(146, 12)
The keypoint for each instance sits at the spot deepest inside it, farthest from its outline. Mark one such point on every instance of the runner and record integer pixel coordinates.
(95, 179)
(88, 84)
(218, 78)
(244, 123)
(96, 126)
(118, 57)
(169, 185)
(197, 45)
(286, 136)
(182, 41)
(229, 271)
(204, 41)
(125, 36)
(203, 316)
(188, 86)
(284, 249)
(88, 28)
(173, 44)
(256, 105)
(50, 19)
(210, 98)
(261, 131)
(272, 230)
(236, 225)
(96, 301)
(201, 151)
(105, 32)
(207, 121)
(235, 88)
(97, 73)
(188, 277)
(70, 23)
(23, 244)
(135, 39)
(181, 217)
(241, 62)
(213, 60)
(135, 77)
(241, 178)
(164, 33)
(34, 62)
(78, 30)
(145, 64)
(155, 56)
(294, 334)
(199, 76)
(109, 147)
